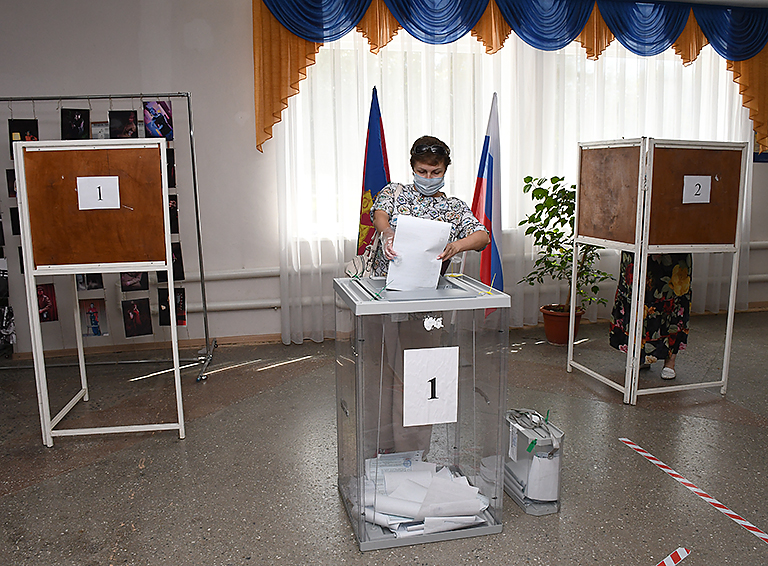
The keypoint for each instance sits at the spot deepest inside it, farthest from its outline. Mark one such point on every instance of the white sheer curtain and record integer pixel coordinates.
(548, 102)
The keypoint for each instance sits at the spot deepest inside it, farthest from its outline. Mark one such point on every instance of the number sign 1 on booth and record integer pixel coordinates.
(430, 385)
(95, 193)
(696, 188)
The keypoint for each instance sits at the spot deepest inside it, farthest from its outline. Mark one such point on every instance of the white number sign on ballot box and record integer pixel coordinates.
(421, 389)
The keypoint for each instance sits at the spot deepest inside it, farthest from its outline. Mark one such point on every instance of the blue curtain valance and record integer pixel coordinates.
(735, 34)
(644, 28)
(437, 21)
(318, 20)
(548, 25)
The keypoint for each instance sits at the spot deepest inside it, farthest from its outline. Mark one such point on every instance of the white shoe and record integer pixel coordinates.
(668, 373)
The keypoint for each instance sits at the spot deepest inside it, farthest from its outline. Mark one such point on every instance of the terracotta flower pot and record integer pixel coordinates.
(556, 318)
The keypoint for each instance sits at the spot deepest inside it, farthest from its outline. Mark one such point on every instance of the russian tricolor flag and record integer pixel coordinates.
(375, 172)
(486, 205)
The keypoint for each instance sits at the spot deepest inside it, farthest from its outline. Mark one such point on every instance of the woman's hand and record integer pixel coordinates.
(381, 223)
(475, 241)
(451, 250)
(387, 239)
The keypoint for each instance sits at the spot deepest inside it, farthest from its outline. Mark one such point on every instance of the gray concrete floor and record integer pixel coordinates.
(254, 482)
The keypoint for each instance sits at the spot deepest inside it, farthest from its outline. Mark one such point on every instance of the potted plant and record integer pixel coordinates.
(551, 225)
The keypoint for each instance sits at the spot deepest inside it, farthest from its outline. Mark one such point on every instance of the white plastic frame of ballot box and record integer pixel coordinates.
(31, 271)
(454, 293)
(641, 248)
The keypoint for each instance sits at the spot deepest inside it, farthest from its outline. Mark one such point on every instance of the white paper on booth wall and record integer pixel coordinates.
(697, 189)
(430, 386)
(98, 193)
(418, 242)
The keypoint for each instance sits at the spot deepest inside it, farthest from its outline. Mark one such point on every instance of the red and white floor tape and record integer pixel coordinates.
(706, 497)
(675, 558)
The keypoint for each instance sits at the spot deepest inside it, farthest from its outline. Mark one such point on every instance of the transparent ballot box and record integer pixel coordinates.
(420, 391)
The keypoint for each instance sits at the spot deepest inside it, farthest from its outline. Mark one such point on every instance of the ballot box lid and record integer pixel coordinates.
(368, 296)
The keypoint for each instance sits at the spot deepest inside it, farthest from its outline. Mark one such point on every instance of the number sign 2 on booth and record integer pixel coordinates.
(697, 189)
(430, 386)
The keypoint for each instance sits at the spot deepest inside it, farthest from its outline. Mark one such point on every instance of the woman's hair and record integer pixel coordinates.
(431, 151)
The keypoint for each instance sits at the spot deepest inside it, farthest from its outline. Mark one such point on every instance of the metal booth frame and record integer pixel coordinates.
(642, 249)
(33, 270)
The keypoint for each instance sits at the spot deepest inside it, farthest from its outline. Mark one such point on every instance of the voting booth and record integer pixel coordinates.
(649, 196)
(420, 391)
(92, 206)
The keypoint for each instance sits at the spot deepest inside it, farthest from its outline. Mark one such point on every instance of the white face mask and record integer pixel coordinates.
(428, 187)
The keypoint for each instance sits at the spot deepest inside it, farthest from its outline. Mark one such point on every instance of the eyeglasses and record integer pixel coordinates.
(438, 149)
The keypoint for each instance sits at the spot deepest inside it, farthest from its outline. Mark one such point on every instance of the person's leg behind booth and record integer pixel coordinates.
(666, 312)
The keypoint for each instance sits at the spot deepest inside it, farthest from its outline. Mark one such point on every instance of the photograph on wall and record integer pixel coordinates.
(136, 318)
(3, 285)
(46, 303)
(134, 281)
(10, 178)
(15, 223)
(75, 124)
(93, 314)
(7, 330)
(181, 307)
(178, 265)
(22, 130)
(123, 124)
(158, 121)
(99, 130)
(170, 158)
(89, 281)
(173, 209)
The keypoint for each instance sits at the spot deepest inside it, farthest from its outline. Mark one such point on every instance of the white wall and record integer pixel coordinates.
(758, 254)
(196, 46)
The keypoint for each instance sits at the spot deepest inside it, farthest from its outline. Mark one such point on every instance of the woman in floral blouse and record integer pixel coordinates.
(665, 314)
(384, 431)
(424, 198)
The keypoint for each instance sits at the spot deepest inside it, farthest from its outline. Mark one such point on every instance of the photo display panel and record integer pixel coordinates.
(116, 215)
(608, 193)
(695, 196)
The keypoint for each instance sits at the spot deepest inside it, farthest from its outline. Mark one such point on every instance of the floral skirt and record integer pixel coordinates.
(667, 305)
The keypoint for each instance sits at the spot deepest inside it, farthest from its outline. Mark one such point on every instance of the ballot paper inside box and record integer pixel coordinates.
(420, 383)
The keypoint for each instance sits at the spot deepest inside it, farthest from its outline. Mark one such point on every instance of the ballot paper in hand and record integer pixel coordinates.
(418, 242)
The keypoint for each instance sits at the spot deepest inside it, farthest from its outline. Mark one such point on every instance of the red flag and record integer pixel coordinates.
(375, 172)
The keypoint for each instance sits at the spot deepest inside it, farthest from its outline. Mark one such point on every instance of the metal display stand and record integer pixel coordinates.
(65, 245)
(655, 181)
(204, 356)
(378, 333)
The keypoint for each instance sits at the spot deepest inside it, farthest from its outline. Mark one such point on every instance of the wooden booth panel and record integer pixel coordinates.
(607, 193)
(673, 222)
(62, 234)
